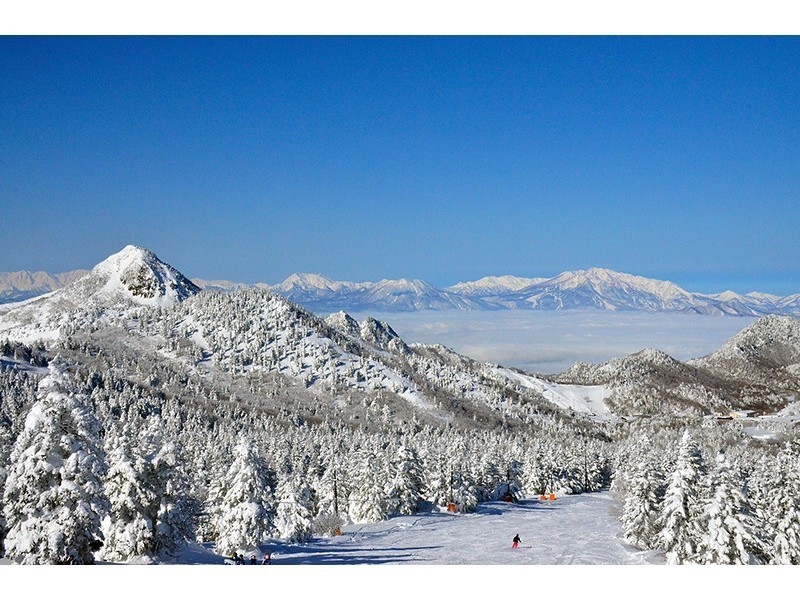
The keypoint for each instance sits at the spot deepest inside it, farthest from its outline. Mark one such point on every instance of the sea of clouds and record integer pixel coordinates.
(552, 341)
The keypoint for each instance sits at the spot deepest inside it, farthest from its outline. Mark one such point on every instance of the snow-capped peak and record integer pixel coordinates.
(138, 274)
(308, 282)
(489, 286)
(601, 278)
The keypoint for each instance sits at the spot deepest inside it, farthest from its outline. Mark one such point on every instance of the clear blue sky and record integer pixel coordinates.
(440, 158)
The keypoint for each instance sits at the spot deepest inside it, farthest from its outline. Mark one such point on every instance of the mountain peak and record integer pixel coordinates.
(493, 285)
(141, 276)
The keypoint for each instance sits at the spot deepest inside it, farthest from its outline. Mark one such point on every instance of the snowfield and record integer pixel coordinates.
(584, 399)
(439, 554)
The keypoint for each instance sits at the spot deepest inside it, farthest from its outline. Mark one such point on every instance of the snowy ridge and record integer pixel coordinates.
(592, 288)
(757, 370)
(610, 290)
(22, 285)
(251, 331)
(494, 286)
(135, 301)
(767, 352)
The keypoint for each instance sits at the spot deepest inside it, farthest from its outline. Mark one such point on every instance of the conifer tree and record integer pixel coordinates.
(681, 509)
(176, 509)
(293, 519)
(53, 497)
(242, 505)
(367, 501)
(6, 444)
(405, 489)
(728, 537)
(129, 527)
(465, 492)
(644, 494)
(779, 507)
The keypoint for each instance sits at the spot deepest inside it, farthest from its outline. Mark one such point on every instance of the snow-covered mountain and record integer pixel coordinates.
(592, 288)
(132, 277)
(610, 290)
(321, 294)
(178, 383)
(133, 300)
(17, 286)
(412, 294)
(488, 287)
(766, 353)
(757, 369)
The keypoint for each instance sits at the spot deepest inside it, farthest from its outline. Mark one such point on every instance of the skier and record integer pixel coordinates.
(516, 541)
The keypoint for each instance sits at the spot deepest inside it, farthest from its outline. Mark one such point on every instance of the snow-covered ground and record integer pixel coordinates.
(584, 399)
(570, 530)
(430, 555)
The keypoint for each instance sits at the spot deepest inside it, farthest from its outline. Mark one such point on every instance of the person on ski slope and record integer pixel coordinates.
(516, 541)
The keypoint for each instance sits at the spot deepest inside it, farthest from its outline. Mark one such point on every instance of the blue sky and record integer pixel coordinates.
(441, 158)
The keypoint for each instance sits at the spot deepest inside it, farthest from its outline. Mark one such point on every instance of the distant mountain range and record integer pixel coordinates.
(133, 309)
(592, 288)
(21, 285)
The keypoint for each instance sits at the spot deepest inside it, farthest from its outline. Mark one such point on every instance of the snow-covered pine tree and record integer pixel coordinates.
(367, 502)
(53, 498)
(242, 505)
(437, 481)
(679, 521)
(293, 518)
(331, 492)
(778, 487)
(644, 494)
(405, 487)
(6, 443)
(465, 492)
(129, 527)
(728, 533)
(177, 509)
(538, 474)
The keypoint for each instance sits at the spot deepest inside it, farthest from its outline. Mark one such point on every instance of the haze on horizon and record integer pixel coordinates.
(440, 158)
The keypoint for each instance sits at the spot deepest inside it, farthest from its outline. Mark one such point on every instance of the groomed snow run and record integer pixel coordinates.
(584, 399)
(571, 548)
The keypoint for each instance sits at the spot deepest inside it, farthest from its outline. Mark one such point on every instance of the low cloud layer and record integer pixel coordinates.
(552, 341)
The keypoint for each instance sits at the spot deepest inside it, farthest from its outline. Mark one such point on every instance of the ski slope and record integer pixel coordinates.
(570, 530)
(571, 548)
(584, 399)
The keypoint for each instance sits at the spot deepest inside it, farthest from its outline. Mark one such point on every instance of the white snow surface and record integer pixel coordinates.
(584, 399)
(433, 555)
